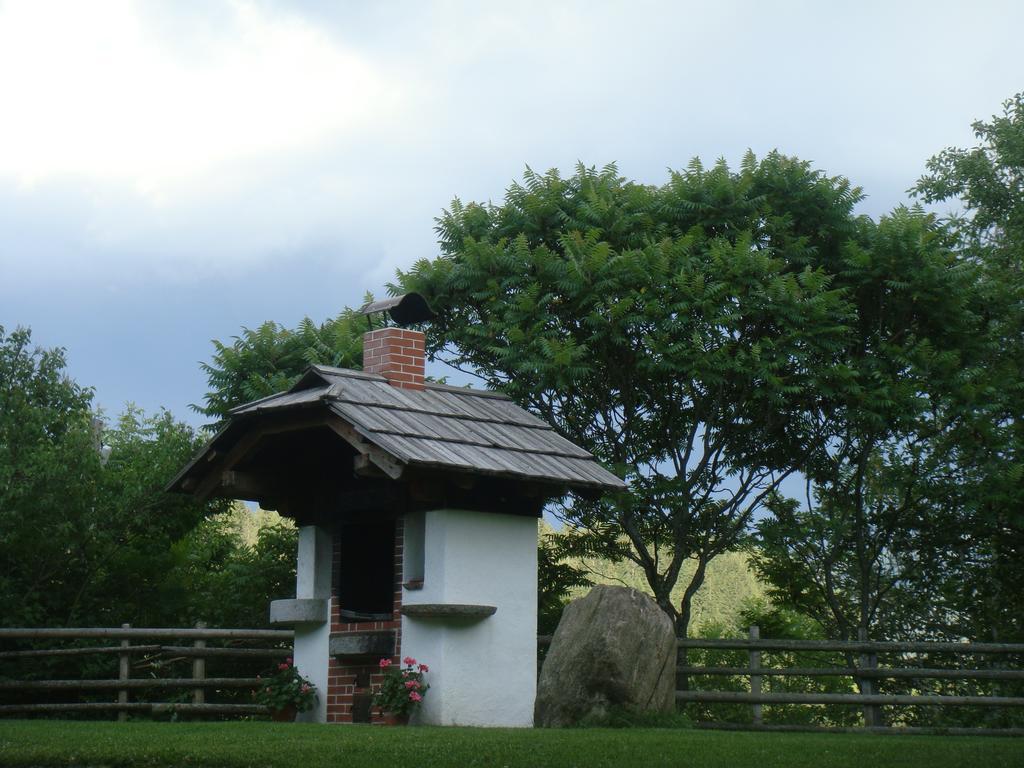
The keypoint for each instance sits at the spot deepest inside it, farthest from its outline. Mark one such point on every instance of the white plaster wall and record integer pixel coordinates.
(312, 641)
(482, 672)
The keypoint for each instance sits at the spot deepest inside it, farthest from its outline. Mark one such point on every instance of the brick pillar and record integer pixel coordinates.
(352, 680)
(397, 354)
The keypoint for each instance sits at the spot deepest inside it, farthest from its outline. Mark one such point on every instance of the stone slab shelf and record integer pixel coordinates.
(362, 643)
(448, 611)
(298, 611)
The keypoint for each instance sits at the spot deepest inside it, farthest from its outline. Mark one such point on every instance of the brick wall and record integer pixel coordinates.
(397, 354)
(349, 685)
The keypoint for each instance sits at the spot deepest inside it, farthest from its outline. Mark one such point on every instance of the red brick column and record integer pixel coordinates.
(397, 354)
(348, 683)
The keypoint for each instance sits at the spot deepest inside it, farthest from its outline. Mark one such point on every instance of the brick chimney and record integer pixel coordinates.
(397, 354)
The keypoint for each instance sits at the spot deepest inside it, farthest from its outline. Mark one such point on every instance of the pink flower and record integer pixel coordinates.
(409, 660)
(424, 668)
(384, 663)
(415, 697)
(283, 666)
(288, 660)
(305, 688)
(412, 684)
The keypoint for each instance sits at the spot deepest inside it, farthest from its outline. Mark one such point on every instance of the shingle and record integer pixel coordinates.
(445, 427)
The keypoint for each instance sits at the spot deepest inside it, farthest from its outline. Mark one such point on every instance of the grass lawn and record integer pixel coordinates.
(93, 744)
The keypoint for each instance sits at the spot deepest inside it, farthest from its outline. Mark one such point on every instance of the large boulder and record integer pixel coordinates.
(612, 648)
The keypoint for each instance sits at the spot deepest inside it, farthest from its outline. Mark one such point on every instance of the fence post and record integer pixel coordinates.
(868, 685)
(755, 680)
(199, 668)
(123, 672)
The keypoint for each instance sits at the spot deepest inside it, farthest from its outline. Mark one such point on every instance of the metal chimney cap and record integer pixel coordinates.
(405, 310)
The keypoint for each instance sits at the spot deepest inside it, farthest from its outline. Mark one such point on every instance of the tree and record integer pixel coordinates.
(988, 180)
(219, 577)
(127, 551)
(270, 359)
(981, 569)
(856, 543)
(49, 467)
(677, 332)
(82, 542)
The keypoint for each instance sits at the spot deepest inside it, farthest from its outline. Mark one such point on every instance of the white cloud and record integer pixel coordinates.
(100, 92)
(184, 141)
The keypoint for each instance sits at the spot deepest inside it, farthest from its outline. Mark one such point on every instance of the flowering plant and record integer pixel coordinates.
(403, 688)
(285, 688)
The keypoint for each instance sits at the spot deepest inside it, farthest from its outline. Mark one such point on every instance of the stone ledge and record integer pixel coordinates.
(448, 611)
(376, 643)
(298, 611)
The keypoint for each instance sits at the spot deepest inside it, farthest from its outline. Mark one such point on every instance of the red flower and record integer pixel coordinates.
(415, 697)
(424, 668)
(283, 666)
(409, 660)
(412, 684)
(385, 663)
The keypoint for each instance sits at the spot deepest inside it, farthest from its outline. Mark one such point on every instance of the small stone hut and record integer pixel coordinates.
(416, 505)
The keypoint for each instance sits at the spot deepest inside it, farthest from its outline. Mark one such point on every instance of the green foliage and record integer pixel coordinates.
(49, 470)
(556, 580)
(983, 544)
(677, 332)
(133, 548)
(850, 554)
(777, 623)
(230, 566)
(988, 180)
(729, 584)
(912, 525)
(269, 359)
(81, 542)
(88, 542)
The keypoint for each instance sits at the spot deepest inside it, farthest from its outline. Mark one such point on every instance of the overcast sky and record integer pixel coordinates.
(173, 171)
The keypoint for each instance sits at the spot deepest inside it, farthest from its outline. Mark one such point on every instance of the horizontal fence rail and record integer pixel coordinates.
(864, 673)
(179, 650)
(136, 633)
(860, 699)
(911, 672)
(851, 646)
(153, 655)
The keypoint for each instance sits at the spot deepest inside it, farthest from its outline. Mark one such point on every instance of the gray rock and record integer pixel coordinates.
(612, 648)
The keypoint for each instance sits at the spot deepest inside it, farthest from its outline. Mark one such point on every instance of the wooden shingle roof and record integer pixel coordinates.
(439, 427)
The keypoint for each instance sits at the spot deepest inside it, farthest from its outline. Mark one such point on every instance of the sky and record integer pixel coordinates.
(171, 172)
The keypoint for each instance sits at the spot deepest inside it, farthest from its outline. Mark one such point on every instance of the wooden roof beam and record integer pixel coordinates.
(371, 459)
(214, 479)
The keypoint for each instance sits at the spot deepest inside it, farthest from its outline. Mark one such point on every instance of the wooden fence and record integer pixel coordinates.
(166, 650)
(864, 671)
(862, 667)
(865, 674)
